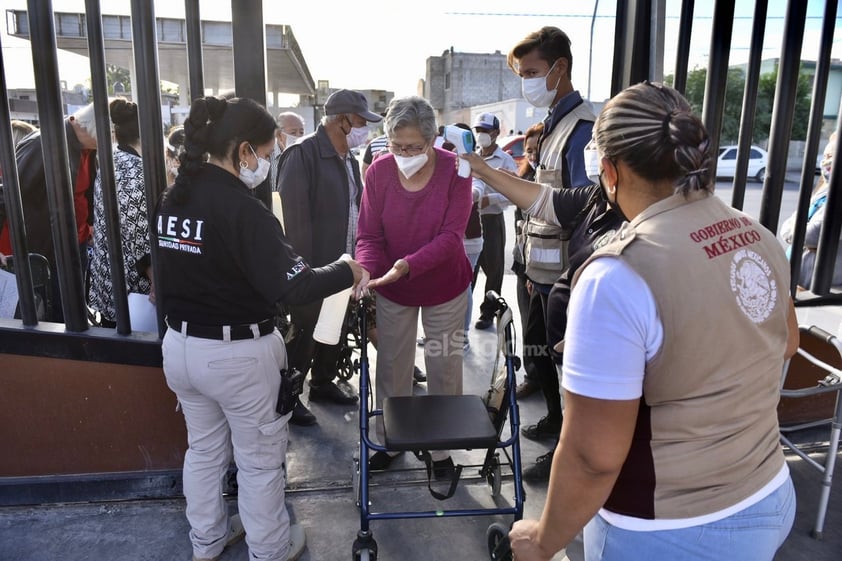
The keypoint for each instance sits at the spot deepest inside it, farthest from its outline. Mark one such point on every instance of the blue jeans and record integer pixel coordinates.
(754, 533)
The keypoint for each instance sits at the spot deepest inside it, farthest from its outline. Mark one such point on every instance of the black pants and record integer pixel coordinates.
(306, 354)
(537, 362)
(492, 259)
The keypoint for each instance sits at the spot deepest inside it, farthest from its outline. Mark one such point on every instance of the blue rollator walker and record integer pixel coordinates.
(423, 423)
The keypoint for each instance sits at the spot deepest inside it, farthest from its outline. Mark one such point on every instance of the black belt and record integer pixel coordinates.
(237, 332)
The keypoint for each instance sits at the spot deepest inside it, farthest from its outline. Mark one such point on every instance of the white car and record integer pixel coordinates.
(726, 164)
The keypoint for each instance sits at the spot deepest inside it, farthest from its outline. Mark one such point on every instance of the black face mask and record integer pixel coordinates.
(613, 204)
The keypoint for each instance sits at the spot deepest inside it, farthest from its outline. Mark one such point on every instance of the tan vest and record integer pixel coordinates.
(707, 429)
(545, 247)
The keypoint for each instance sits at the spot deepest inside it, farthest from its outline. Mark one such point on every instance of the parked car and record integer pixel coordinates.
(726, 164)
(513, 145)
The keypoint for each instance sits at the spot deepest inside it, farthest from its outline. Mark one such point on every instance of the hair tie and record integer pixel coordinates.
(665, 124)
(696, 172)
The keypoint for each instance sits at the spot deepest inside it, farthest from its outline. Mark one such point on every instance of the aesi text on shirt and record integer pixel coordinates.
(182, 234)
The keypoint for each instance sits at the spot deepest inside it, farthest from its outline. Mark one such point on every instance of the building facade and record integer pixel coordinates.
(457, 82)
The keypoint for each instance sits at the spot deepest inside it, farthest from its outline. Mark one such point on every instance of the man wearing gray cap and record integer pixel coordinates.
(320, 186)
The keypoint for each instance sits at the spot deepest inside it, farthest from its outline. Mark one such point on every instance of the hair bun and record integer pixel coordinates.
(122, 111)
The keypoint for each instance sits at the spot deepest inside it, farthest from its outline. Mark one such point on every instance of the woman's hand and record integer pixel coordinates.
(361, 288)
(151, 278)
(479, 167)
(356, 268)
(398, 270)
(524, 541)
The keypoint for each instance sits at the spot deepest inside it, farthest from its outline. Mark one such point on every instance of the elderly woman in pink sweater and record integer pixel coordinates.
(412, 219)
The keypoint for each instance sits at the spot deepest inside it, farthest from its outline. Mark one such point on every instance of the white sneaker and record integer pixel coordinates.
(297, 542)
(236, 532)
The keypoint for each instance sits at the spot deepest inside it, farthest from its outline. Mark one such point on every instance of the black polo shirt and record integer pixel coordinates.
(222, 255)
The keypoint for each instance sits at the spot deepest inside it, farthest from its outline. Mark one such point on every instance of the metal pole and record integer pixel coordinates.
(249, 66)
(831, 228)
(682, 55)
(590, 49)
(145, 44)
(99, 90)
(825, 257)
(717, 75)
(195, 69)
(14, 208)
(783, 110)
(56, 168)
(749, 104)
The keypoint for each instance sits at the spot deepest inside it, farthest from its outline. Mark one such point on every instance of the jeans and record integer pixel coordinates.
(755, 533)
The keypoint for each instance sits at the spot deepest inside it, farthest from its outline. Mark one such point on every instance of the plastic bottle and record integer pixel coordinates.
(331, 317)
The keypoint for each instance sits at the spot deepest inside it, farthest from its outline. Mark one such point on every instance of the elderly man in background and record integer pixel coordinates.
(320, 186)
(80, 130)
(290, 129)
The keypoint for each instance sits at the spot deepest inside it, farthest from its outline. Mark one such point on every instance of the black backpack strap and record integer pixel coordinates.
(424, 456)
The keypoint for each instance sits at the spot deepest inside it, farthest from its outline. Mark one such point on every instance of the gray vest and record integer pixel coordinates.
(545, 247)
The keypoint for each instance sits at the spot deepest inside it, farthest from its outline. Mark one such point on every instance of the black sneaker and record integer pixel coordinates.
(544, 429)
(332, 393)
(418, 376)
(301, 416)
(483, 323)
(539, 472)
(443, 470)
(381, 460)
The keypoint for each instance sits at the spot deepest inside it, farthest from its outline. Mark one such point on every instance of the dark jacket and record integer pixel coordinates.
(594, 227)
(33, 190)
(313, 182)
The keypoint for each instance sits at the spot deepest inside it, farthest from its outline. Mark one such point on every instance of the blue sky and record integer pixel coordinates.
(374, 46)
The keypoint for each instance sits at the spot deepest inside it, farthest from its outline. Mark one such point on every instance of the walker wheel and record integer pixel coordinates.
(494, 476)
(365, 549)
(499, 548)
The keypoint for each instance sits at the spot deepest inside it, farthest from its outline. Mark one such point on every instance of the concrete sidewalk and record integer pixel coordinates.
(320, 497)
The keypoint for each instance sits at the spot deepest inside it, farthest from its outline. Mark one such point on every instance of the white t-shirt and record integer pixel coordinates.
(615, 321)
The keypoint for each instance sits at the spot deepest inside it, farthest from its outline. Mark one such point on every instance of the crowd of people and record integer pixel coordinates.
(616, 292)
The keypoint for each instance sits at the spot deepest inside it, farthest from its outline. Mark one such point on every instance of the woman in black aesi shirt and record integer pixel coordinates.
(225, 267)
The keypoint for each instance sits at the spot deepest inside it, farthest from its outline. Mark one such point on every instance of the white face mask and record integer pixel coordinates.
(290, 139)
(535, 89)
(592, 165)
(357, 136)
(254, 177)
(483, 139)
(410, 165)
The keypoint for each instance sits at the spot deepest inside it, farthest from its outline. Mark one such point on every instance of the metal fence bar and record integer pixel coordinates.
(758, 31)
(195, 69)
(56, 167)
(826, 254)
(14, 208)
(99, 90)
(682, 55)
(829, 233)
(783, 110)
(149, 114)
(713, 105)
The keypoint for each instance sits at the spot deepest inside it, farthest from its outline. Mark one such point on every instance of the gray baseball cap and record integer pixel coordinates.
(350, 101)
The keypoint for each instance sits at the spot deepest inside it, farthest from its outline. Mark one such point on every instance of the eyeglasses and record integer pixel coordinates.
(408, 150)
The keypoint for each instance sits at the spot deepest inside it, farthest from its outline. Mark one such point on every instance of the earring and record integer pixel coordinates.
(612, 189)
(243, 164)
